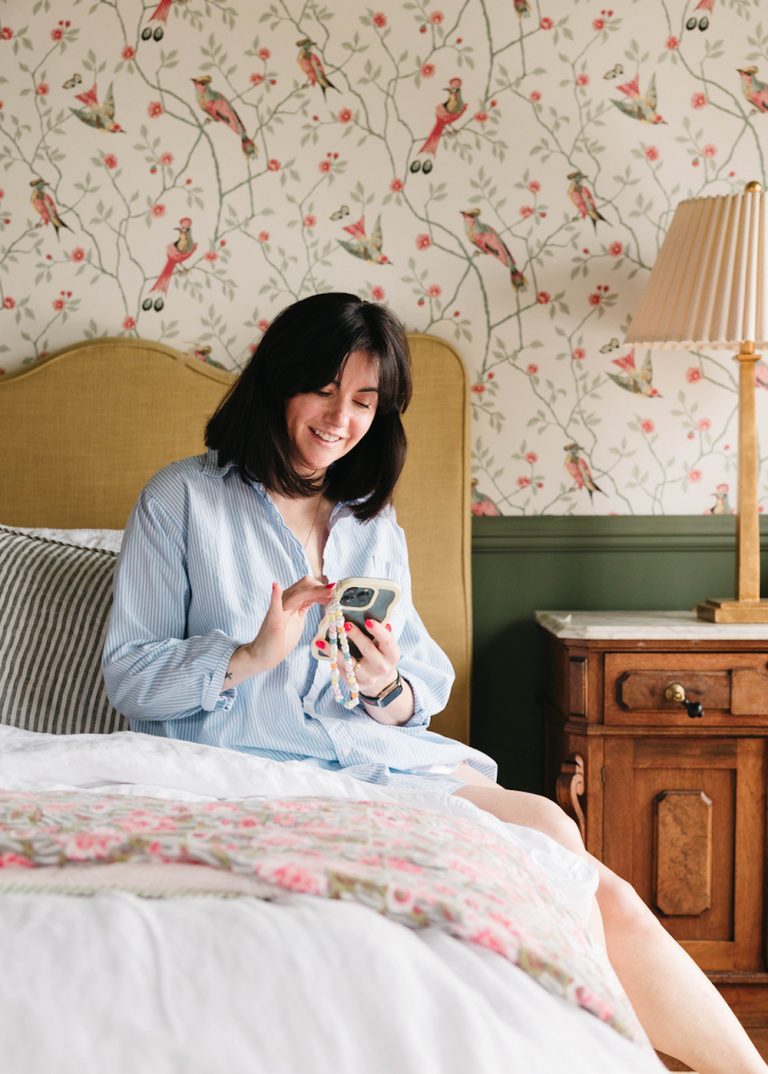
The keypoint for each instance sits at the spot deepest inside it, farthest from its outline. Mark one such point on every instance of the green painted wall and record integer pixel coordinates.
(521, 565)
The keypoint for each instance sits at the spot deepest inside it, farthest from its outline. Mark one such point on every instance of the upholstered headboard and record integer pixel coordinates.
(82, 431)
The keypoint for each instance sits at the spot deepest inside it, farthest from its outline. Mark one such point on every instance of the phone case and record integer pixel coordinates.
(360, 599)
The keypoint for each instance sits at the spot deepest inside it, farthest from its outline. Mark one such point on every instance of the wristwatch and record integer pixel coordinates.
(386, 696)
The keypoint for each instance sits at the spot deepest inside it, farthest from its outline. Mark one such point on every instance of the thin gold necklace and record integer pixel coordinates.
(314, 522)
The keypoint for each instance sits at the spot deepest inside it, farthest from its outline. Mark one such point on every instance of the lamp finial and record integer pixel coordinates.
(753, 187)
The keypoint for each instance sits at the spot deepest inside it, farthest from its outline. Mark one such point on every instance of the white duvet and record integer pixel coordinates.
(118, 984)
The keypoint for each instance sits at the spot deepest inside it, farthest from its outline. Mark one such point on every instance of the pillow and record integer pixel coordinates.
(109, 539)
(54, 602)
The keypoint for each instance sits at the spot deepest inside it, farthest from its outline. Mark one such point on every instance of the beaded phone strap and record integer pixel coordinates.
(337, 637)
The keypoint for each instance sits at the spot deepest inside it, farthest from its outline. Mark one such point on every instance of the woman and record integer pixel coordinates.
(228, 562)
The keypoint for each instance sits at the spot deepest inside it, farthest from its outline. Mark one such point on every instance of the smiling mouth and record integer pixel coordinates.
(327, 438)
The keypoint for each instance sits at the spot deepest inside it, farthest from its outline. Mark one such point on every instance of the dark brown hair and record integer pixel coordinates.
(304, 349)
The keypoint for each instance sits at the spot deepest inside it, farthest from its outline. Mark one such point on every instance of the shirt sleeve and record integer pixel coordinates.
(152, 671)
(422, 662)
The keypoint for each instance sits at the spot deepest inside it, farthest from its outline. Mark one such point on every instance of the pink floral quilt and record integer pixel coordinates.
(417, 867)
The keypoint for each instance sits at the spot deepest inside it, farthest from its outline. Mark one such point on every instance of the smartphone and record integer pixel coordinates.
(360, 599)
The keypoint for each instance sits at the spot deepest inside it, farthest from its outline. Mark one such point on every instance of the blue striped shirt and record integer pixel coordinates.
(193, 583)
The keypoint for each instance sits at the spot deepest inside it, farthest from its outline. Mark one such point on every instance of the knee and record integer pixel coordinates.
(621, 905)
(553, 821)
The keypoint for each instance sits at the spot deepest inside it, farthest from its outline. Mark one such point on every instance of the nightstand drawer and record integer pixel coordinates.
(727, 685)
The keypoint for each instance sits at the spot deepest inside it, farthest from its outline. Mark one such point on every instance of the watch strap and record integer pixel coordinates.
(386, 696)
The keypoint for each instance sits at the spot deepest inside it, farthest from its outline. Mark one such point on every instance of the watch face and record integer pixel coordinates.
(396, 690)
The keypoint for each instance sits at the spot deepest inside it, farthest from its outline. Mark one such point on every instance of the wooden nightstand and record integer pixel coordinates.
(657, 744)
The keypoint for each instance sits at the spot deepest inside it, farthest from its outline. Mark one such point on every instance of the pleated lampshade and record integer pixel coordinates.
(709, 286)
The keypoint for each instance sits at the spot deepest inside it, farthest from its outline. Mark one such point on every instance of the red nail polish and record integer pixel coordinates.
(320, 644)
(331, 585)
(347, 627)
(389, 627)
(369, 623)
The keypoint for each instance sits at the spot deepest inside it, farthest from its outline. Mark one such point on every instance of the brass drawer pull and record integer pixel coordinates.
(676, 692)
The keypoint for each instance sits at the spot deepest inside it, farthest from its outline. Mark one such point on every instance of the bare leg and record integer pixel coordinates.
(682, 1012)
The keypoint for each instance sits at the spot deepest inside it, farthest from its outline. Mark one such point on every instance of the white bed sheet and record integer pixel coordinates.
(198, 985)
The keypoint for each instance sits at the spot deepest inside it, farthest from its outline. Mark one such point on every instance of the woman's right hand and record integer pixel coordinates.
(280, 632)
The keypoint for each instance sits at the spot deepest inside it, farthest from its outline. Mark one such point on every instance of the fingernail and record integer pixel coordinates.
(347, 627)
(388, 627)
(320, 644)
(369, 623)
(331, 585)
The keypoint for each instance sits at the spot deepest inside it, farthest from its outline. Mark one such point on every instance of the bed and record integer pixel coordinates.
(173, 907)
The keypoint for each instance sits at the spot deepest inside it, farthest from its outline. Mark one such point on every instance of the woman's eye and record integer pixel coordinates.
(323, 392)
(363, 404)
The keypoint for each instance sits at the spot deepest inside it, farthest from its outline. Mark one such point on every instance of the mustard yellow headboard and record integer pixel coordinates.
(82, 431)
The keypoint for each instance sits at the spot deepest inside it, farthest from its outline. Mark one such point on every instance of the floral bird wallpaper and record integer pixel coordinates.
(501, 172)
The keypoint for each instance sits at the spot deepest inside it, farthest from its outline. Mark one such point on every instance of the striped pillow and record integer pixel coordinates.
(54, 602)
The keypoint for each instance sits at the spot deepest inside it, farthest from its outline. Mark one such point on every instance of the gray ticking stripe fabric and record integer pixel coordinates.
(54, 603)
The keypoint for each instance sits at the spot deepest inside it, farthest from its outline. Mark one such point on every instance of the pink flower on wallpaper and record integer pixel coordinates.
(263, 236)
(211, 255)
(427, 70)
(709, 150)
(57, 34)
(534, 96)
(434, 290)
(616, 248)
(423, 242)
(546, 23)
(58, 303)
(42, 89)
(377, 293)
(526, 210)
(345, 115)
(531, 457)
(481, 117)
(154, 109)
(436, 17)
(543, 297)
(264, 53)
(532, 369)
(692, 374)
(110, 160)
(310, 220)
(578, 354)
(647, 426)
(256, 79)
(672, 43)
(534, 186)
(9, 303)
(158, 210)
(582, 80)
(324, 165)
(694, 475)
(598, 24)
(698, 100)
(166, 159)
(478, 389)
(380, 20)
(705, 424)
(652, 153)
(6, 33)
(523, 482)
(128, 52)
(263, 324)
(78, 254)
(129, 323)
(396, 186)
(594, 299)
(274, 165)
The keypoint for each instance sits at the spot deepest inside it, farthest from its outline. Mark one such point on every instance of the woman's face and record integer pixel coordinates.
(326, 424)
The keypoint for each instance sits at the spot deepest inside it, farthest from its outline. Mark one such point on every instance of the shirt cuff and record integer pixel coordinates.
(420, 716)
(214, 696)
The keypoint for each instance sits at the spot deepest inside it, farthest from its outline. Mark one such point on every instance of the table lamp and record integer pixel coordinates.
(709, 288)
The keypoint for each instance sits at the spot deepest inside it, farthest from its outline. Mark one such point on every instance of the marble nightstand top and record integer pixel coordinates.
(628, 625)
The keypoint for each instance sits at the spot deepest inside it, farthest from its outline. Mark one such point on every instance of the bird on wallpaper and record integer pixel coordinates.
(45, 206)
(703, 21)
(368, 247)
(522, 7)
(482, 504)
(640, 106)
(633, 379)
(490, 242)
(176, 253)
(582, 198)
(201, 352)
(217, 107)
(449, 111)
(755, 91)
(99, 116)
(312, 66)
(721, 505)
(578, 469)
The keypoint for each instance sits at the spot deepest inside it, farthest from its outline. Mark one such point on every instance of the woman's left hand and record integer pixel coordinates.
(376, 666)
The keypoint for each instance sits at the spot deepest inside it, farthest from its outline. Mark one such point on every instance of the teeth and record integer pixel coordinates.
(327, 437)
